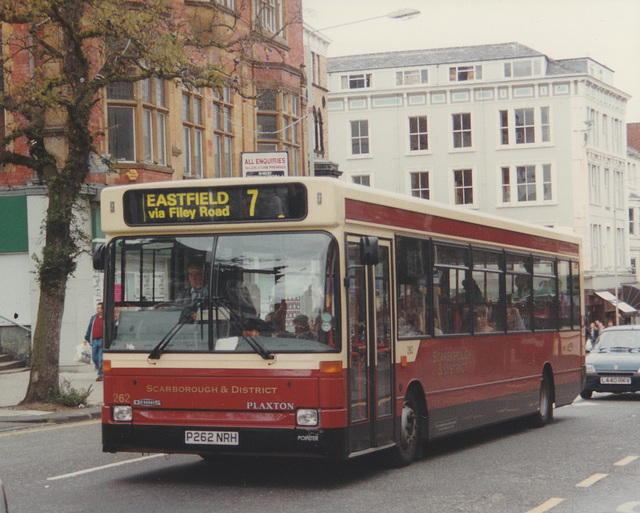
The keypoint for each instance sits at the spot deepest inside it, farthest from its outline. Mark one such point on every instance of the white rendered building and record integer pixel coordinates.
(501, 128)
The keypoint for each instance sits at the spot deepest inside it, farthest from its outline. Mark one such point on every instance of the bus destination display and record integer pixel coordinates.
(196, 205)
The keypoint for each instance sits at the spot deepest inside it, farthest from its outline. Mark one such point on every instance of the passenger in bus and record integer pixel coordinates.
(301, 327)
(411, 320)
(436, 327)
(481, 320)
(514, 319)
(472, 290)
(523, 290)
(276, 319)
(406, 328)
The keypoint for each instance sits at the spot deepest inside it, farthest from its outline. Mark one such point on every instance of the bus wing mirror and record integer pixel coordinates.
(368, 250)
(99, 257)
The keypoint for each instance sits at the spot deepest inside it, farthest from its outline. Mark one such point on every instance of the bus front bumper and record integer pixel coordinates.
(127, 437)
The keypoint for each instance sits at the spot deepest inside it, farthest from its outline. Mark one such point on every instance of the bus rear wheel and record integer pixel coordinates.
(544, 414)
(408, 440)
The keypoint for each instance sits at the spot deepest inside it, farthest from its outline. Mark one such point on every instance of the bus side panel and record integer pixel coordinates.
(474, 381)
(568, 367)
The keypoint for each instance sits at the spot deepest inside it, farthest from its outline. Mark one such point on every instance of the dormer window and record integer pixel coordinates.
(522, 68)
(359, 81)
(463, 73)
(412, 77)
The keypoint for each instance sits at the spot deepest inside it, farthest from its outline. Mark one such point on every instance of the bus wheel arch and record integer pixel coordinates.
(544, 415)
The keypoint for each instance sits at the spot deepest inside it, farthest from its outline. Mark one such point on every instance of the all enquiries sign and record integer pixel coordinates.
(273, 163)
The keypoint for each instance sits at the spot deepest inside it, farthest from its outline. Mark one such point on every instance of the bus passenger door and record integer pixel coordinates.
(370, 349)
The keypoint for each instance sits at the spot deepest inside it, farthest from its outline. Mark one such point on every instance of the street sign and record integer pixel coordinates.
(265, 164)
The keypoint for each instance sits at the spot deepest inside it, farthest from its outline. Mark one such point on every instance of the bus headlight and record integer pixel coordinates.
(122, 413)
(307, 417)
(590, 369)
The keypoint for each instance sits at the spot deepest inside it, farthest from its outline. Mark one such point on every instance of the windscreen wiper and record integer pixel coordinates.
(185, 316)
(237, 323)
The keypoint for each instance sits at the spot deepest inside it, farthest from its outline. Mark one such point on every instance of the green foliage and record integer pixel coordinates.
(66, 395)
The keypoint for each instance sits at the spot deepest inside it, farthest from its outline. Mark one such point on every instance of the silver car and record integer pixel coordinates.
(613, 365)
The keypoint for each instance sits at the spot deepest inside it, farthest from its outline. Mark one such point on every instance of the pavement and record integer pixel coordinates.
(13, 388)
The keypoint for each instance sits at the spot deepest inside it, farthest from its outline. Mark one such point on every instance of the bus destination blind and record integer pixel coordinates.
(198, 205)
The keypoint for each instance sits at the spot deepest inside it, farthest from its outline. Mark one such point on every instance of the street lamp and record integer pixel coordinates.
(398, 14)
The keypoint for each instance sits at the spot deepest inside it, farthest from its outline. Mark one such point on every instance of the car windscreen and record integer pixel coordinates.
(623, 339)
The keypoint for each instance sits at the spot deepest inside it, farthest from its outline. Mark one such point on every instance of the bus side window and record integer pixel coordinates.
(412, 271)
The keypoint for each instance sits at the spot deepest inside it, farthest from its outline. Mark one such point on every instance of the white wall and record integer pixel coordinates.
(81, 294)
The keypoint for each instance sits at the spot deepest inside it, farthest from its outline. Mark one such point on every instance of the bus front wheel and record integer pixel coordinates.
(408, 440)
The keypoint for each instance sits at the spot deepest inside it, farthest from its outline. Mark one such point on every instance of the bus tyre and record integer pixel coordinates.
(545, 410)
(408, 440)
(586, 394)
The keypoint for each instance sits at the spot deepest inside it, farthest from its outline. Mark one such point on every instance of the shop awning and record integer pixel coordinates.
(631, 294)
(625, 308)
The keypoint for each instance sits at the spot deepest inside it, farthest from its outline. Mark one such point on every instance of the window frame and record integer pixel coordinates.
(511, 186)
(405, 77)
(465, 73)
(193, 130)
(356, 81)
(419, 190)
(223, 136)
(359, 139)
(121, 98)
(524, 125)
(461, 133)
(359, 178)
(154, 109)
(268, 15)
(284, 108)
(464, 188)
(418, 134)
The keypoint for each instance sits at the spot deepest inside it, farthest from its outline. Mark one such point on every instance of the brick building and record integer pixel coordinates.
(158, 130)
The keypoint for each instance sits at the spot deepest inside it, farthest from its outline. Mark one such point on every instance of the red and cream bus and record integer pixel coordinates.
(307, 316)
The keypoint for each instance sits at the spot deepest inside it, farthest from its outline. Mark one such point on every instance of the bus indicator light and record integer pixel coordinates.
(331, 367)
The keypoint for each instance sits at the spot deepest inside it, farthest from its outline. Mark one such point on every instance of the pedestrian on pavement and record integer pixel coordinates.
(93, 337)
(591, 334)
(599, 328)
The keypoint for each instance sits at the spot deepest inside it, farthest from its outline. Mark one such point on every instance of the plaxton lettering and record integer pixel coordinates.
(270, 406)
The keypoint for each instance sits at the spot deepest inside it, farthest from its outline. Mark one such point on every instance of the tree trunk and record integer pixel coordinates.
(45, 357)
(56, 264)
